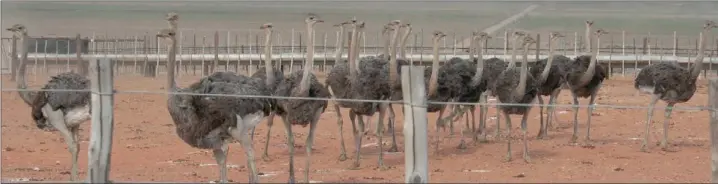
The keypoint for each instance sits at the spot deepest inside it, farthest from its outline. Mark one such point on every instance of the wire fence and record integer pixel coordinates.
(405, 103)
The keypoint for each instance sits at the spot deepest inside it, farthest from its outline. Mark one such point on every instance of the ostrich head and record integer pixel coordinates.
(527, 40)
(589, 22)
(438, 35)
(519, 34)
(166, 34)
(600, 32)
(313, 19)
(18, 29)
(266, 27)
(387, 29)
(555, 35)
(480, 35)
(406, 25)
(344, 23)
(172, 16)
(710, 24)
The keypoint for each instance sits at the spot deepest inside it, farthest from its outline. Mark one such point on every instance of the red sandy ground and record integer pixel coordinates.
(146, 147)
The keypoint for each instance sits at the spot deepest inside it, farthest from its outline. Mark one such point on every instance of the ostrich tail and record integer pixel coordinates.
(36, 112)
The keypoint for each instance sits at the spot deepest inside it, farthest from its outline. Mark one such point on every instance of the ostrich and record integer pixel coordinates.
(517, 86)
(303, 84)
(584, 78)
(550, 80)
(442, 82)
(670, 83)
(270, 81)
(337, 82)
(209, 122)
(54, 110)
(394, 81)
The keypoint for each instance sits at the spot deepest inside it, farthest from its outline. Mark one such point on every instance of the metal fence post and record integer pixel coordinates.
(100, 149)
(713, 96)
(415, 132)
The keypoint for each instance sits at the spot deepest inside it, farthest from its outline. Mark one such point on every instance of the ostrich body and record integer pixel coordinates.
(550, 82)
(584, 78)
(671, 83)
(517, 86)
(208, 122)
(54, 110)
(268, 81)
(302, 83)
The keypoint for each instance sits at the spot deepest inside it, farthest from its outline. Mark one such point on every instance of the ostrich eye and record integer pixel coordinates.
(171, 34)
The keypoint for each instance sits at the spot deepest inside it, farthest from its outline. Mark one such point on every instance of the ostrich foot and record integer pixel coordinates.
(527, 159)
(574, 139)
(393, 149)
(644, 148)
(342, 157)
(354, 166)
(462, 145)
(508, 158)
(382, 168)
(266, 158)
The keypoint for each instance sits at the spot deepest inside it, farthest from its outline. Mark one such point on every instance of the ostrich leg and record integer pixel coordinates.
(664, 142)
(70, 134)
(483, 108)
(310, 142)
(270, 123)
(380, 128)
(591, 102)
(439, 124)
(575, 118)
(240, 134)
(340, 123)
(654, 99)
(552, 108)
(290, 143)
(392, 125)
(508, 142)
(542, 128)
(358, 136)
(498, 120)
(524, 126)
(220, 155)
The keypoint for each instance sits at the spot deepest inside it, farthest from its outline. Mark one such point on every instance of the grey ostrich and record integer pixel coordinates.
(394, 82)
(584, 78)
(671, 83)
(210, 122)
(550, 81)
(302, 112)
(337, 84)
(269, 81)
(517, 86)
(55, 110)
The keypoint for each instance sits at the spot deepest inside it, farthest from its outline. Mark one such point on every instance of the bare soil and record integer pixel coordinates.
(146, 147)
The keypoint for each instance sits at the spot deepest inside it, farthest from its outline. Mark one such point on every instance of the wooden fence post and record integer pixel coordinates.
(100, 148)
(713, 96)
(415, 123)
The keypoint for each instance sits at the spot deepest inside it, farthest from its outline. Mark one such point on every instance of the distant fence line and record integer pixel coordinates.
(243, 51)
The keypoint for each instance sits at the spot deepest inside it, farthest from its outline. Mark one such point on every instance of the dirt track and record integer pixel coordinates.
(146, 147)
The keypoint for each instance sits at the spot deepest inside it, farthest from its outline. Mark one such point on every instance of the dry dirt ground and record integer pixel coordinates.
(146, 147)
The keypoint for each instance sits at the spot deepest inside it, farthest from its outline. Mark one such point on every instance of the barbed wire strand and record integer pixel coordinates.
(610, 106)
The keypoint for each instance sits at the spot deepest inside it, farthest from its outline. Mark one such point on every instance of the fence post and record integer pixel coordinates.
(415, 132)
(713, 96)
(100, 148)
(81, 64)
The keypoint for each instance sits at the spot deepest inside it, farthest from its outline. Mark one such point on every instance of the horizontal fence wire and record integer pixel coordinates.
(609, 106)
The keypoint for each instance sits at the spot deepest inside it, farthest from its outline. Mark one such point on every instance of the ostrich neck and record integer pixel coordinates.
(402, 48)
(304, 84)
(588, 38)
(544, 73)
(433, 80)
(472, 49)
(340, 45)
(591, 70)
(479, 64)
(21, 83)
(352, 52)
(392, 58)
(268, 68)
(521, 89)
(698, 62)
(172, 86)
(387, 46)
(512, 64)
